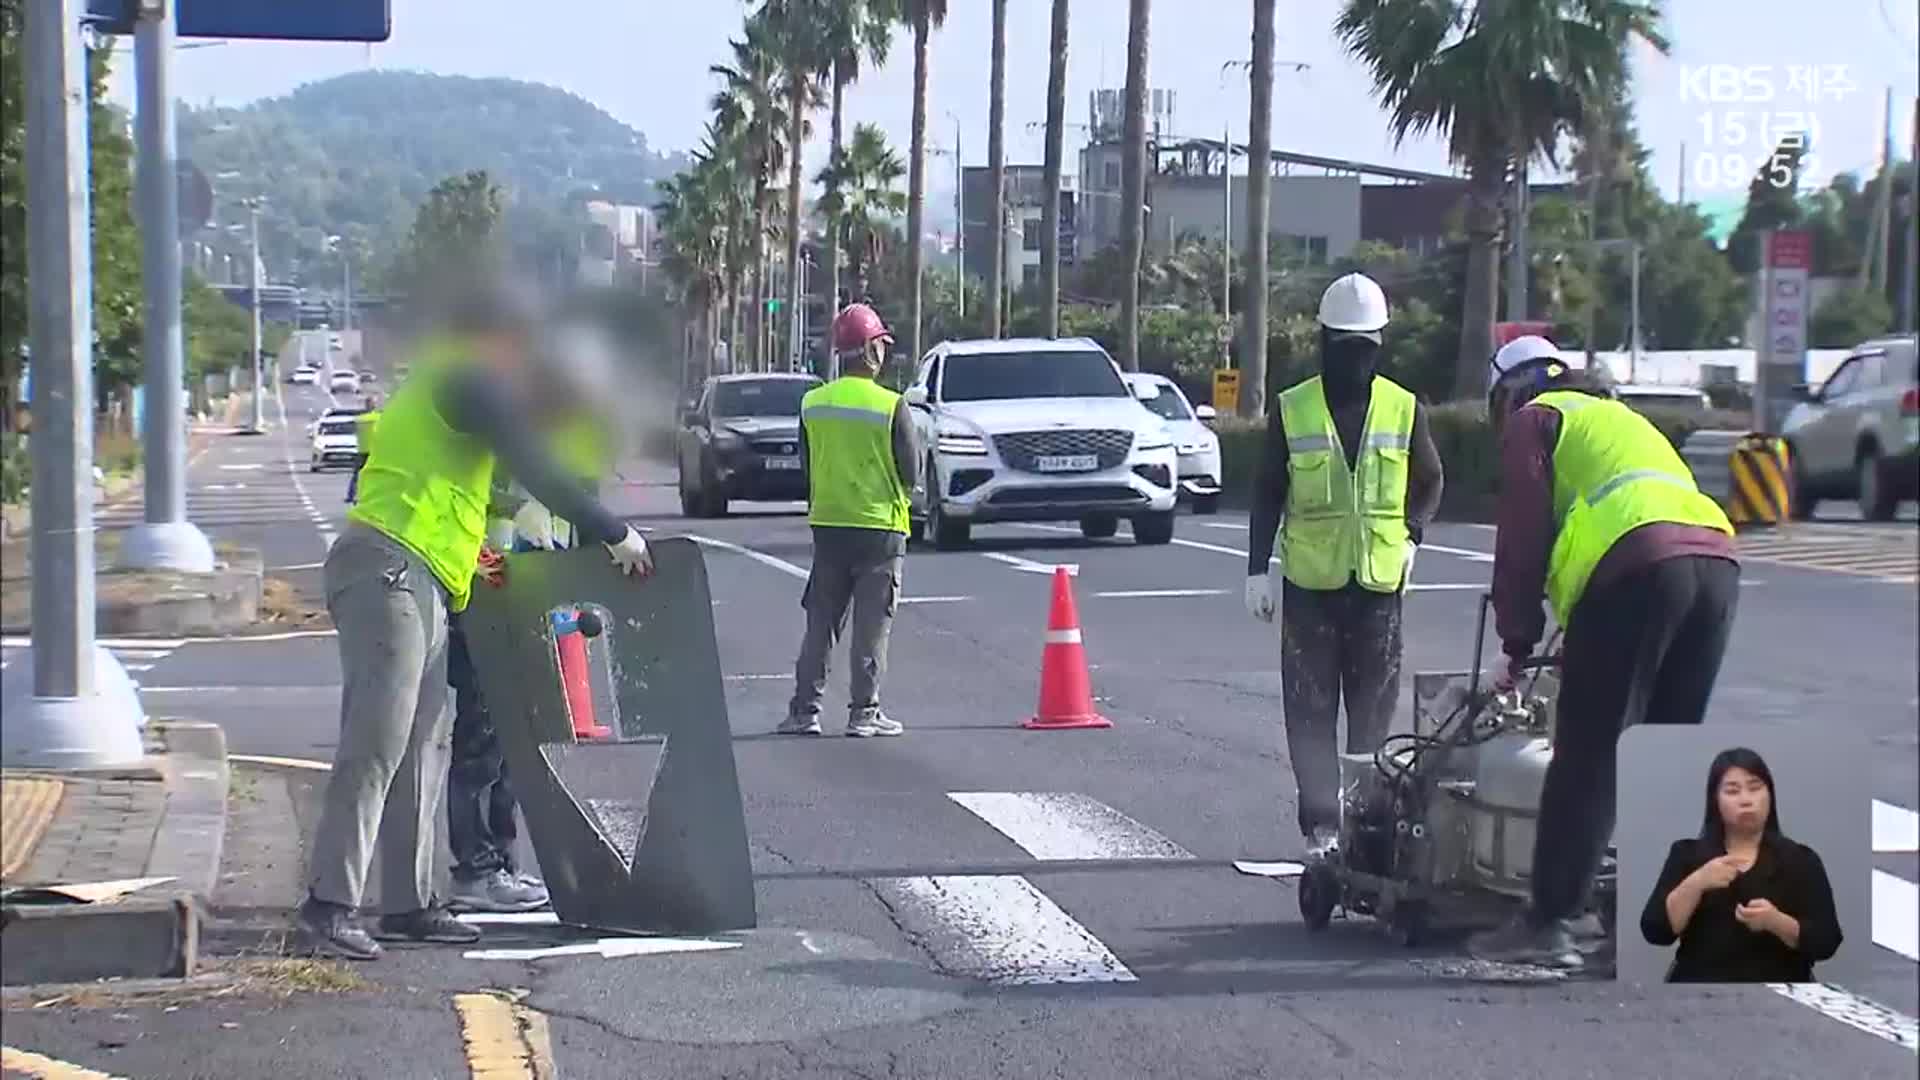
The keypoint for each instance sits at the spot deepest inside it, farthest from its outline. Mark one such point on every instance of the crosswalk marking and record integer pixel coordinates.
(1002, 930)
(136, 655)
(1895, 828)
(1052, 825)
(1896, 914)
(1887, 555)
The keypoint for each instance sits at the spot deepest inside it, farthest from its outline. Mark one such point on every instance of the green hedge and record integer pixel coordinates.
(1467, 452)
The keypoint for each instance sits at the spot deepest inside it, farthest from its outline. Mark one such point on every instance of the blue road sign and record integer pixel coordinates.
(276, 20)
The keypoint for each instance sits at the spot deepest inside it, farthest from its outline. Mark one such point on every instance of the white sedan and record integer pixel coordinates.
(344, 382)
(304, 376)
(1195, 443)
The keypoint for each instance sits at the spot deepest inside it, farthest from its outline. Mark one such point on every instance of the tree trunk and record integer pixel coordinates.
(733, 272)
(997, 174)
(1486, 177)
(796, 127)
(1133, 181)
(1050, 211)
(757, 313)
(917, 184)
(832, 291)
(1253, 308)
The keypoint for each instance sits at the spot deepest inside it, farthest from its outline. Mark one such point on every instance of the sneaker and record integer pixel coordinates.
(1522, 941)
(434, 924)
(799, 725)
(873, 726)
(1589, 934)
(498, 891)
(332, 930)
(1323, 841)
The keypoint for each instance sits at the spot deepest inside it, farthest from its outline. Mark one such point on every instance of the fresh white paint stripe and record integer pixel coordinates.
(761, 557)
(157, 646)
(1465, 553)
(142, 654)
(1895, 828)
(1002, 930)
(1030, 566)
(513, 918)
(1855, 1011)
(1896, 914)
(757, 678)
(1269, 869)
(1447, 586)
(933, 599)
(282, 762)
(300, 566)
(1237, 525)
(1129, 594)
(1063, 637)
(1063, 826)
(609, 948)
(137, 667)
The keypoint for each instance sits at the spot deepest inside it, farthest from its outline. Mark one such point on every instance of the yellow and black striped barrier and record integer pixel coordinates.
(1762, 488)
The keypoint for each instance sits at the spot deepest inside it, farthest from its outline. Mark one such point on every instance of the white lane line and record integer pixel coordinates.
(1063, 825)
(755, 678)
(1853, 1010)
(1002, 930)
(1257, 868)
(1447, 586)
(761, 557)
(608, 948)
(152, 646)
(1029, 565)
(281, 762)
(512, 918)
(244, 468)
(327, 535)
(1895, 828)
(1224, 525)
(933, 599)
(1465, 553)
(299, 566)
(1129, 594)
(1896, 914)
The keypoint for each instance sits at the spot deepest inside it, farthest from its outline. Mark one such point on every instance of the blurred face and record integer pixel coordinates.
(1744, 801)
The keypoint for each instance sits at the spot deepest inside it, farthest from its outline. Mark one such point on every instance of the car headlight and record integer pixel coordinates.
(1203, 446)
(1154, 442)
(728, 440)
(960, 443)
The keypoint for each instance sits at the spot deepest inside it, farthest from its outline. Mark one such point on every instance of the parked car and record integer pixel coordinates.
(1195, 444)
(336, 441)
(1669, 399)
(1858, 436)
(304, 376)
(343, 382)
(1034, 429)
(741, 440)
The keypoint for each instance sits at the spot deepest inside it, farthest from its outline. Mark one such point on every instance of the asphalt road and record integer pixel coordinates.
(974, 900)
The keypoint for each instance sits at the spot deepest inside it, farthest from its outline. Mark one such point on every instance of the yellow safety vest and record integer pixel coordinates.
(1346, 525)
(850, 469)
(1613, 471)
(363, 426)
(426, 486)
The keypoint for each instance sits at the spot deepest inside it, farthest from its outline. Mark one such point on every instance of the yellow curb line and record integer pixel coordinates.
(41, 1067)
(30, 803)
(504, 1039)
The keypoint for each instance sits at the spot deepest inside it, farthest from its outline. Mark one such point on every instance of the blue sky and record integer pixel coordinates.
(645, 62)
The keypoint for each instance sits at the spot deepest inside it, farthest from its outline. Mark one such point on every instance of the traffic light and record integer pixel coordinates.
(773, 306)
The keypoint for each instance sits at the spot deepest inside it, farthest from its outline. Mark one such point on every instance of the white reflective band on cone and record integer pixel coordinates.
(1063, 637)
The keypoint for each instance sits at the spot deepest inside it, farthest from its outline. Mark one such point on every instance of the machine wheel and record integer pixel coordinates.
(948, 534)
(1878, 499)
(916, 530)
(1206, 504)
(1319, 891)
(313, 466)
(1099, 526)
(1801, 500)
(1153, 528)
(689, 505)
(1409, 922)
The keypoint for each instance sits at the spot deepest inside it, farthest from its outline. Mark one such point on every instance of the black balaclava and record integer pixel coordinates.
(1347, 366)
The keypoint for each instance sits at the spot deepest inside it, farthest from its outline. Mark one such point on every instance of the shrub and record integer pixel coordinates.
(16, 468)
(116, 453)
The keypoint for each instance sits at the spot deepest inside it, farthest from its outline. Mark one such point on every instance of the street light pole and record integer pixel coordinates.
(79, 710)
(165, 539)
(253, 278)
(959, 223)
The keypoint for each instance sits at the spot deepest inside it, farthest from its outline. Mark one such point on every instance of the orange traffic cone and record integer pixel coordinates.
(1066, 693)
(571, 647)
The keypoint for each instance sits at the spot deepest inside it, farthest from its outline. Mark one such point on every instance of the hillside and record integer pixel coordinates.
(353, 156)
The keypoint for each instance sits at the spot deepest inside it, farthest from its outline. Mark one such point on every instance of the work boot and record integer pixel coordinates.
(498, 891)
(1589, 935)
(332, 930)
(1522, 940)
(799, 725)
(872, 725)
(433, 923)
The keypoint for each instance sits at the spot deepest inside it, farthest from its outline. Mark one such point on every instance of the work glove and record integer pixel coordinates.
(1406, 579)
(1260, 596)
(534, 523)
(492, 567)
(1511, 672)
(631, 553)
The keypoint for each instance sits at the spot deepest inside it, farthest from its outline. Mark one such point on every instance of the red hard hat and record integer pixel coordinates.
(856, 325)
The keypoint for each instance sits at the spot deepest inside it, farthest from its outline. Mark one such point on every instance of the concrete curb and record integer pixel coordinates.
(193, 827)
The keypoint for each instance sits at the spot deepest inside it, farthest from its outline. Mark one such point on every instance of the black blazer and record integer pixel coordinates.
(1715, 947)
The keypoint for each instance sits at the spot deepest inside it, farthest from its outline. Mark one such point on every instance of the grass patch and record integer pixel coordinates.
(282, 604)
(275, 977)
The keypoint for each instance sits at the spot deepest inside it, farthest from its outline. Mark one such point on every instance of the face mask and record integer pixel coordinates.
(1348, 367)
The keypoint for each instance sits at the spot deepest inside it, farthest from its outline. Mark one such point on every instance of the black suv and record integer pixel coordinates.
(741, 440)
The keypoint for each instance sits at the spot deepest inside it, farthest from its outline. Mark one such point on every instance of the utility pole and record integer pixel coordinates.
(82, 711)
(1909, 273)
(1226, 239)
(259, 426)
(165, 539)
(1517, 252)
(959, 223)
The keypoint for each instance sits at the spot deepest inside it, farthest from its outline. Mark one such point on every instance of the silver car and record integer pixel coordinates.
(1858, 436)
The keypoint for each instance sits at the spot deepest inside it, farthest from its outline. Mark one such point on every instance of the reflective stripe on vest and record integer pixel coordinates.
(1346, 524)
(1613, 471)
(425, 485)
(851, 477)
(363, 426)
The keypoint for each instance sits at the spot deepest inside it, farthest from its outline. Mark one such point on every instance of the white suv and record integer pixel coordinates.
(1859, 436)
(1029, 429)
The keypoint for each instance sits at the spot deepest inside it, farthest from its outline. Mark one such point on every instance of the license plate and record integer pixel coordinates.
(1067, 462)
(783, 463)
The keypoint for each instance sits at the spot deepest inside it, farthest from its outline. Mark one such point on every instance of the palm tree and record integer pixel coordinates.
(1253, 311)
(1133, 179)
(1505, 82)
(1050, 207)
(861, 195)
(798, 28)
(693, 213)
(751, 103)
(997, 172)
(856, 32)
(924, 16)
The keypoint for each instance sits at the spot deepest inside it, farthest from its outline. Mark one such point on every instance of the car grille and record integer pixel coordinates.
(777, 447)
(1065, 494)
(1023, 449)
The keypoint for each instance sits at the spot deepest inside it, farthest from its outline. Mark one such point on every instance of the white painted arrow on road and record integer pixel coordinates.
(1031, 567)
(609, 948)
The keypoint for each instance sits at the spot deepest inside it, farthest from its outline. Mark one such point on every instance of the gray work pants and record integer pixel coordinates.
(395, 727)
(1335, 644)
(855, 572)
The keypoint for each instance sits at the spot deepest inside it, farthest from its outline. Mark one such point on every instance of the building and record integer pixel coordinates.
(616, 243)
(1417, 217)
(1025, 207)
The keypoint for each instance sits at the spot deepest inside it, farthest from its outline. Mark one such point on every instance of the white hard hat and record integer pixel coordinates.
(1354, 305)
(1523, 350)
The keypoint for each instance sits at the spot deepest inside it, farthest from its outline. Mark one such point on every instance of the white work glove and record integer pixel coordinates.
(631, 553)
(1406, 579)
(1260, 596)
(534, 524)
